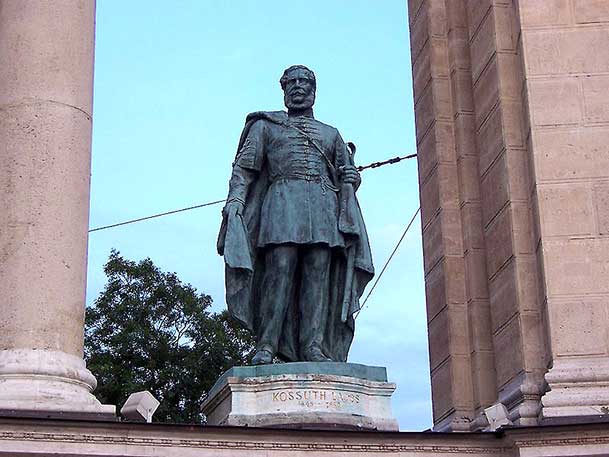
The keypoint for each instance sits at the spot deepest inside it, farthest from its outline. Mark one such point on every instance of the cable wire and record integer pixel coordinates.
(386, 162)
(378, 278)
(132, 221)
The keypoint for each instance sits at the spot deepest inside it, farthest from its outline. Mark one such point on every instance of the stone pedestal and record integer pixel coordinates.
(46, 96)
(303, 395)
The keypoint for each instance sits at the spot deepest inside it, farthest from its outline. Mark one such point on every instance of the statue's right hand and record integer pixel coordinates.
(232, 209)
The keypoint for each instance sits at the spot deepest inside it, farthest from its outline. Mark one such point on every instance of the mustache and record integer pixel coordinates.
(299, 92)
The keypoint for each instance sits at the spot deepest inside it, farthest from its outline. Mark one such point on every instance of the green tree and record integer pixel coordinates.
(149, 331)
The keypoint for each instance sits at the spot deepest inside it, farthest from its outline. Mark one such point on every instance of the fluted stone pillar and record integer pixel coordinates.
(46, 93)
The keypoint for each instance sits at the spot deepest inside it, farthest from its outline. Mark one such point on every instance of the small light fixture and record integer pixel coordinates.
(140, 407)
(497, 416)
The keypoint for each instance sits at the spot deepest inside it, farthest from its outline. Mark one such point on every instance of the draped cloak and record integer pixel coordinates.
(244, 264)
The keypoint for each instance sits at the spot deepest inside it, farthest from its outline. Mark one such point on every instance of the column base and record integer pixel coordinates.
(578, 387)
(42, 380)
(522, 398)
(457, 421)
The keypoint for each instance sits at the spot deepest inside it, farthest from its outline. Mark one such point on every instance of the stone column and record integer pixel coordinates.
(511, 105)
(46, 92)
(485, 314)
(567, 67)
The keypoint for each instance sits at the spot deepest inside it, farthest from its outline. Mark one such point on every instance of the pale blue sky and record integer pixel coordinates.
(173, 84)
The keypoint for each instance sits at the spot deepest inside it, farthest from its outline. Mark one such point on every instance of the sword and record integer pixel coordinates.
(347, 190)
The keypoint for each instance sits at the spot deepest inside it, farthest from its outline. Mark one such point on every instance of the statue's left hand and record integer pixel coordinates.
(350, 175)
(232, 208)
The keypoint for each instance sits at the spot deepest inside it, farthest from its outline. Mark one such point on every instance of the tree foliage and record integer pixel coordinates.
(149, 331)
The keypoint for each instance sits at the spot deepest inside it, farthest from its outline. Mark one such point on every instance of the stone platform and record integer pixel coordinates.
(304, 395)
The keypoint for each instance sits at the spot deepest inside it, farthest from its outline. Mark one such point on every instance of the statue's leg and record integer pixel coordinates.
(313, 300)
(280, 265)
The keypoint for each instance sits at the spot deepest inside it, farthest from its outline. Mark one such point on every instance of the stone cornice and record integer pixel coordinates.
(572, 441)
(135, 439)
(99, 439)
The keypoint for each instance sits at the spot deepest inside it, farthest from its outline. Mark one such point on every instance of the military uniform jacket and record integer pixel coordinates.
(301, 203)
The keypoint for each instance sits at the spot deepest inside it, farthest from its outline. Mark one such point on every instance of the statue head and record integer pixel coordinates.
(298, 84)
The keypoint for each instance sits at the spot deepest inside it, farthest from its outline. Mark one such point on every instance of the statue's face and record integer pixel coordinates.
(299, 91)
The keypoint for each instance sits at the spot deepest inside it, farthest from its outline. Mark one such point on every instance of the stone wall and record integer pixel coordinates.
(43, 437)
(566, 61)
(510, 118)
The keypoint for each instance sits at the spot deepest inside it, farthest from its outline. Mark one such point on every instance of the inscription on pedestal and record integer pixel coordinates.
(313, 398)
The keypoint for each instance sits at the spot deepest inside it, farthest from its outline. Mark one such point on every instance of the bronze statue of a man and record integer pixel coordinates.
(294, 242)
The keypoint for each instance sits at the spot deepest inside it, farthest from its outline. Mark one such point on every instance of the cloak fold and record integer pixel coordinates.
(244, 264)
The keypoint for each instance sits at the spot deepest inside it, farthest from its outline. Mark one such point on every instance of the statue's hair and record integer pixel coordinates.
(284, 78)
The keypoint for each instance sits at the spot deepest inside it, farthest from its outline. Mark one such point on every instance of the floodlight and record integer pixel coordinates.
(497, 416)
(140, 406)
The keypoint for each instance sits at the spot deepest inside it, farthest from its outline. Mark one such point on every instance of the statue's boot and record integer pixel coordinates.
(262, 357)
(314, 354)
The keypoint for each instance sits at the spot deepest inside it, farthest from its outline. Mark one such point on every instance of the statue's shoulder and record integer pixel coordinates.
(256, 122)
(274, 117)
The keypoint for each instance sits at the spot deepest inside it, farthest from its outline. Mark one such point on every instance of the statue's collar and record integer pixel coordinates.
(301, 114)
